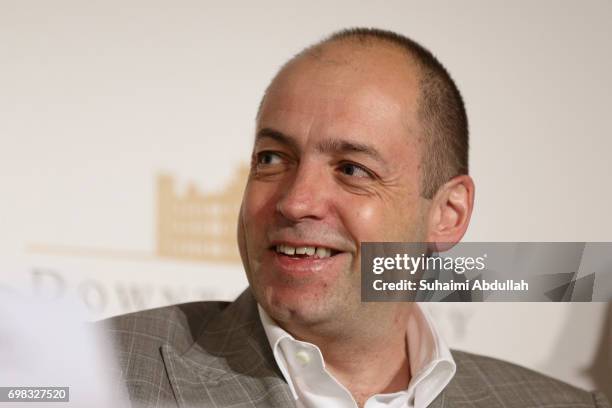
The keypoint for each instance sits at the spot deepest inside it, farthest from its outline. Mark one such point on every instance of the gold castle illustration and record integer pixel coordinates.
(199, 226)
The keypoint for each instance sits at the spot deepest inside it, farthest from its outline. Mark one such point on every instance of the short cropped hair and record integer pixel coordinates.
(441, 110)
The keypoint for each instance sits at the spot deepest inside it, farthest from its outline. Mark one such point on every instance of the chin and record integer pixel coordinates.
(295, 306)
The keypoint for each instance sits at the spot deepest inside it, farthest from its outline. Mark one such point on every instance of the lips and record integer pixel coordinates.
(305, 259)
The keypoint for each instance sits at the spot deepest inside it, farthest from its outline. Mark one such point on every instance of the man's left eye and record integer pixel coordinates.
(354, 170)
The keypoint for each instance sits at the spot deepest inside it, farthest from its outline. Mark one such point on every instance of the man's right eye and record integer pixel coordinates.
(268, 158)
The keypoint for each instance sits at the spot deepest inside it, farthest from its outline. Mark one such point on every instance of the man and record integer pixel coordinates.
(360, 138)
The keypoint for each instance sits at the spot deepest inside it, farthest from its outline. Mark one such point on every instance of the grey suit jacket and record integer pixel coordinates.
(216, 354)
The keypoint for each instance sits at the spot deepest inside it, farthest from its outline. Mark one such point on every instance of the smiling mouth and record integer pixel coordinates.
(305, 251)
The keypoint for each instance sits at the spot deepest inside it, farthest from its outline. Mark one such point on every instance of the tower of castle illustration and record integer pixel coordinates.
(197, 226)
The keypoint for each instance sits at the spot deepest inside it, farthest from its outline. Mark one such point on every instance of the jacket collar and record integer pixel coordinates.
(229, 363)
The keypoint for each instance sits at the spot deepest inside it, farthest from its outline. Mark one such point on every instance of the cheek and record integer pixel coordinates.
(258, 207)
(366, 221)
(373, 222)
(366, 215)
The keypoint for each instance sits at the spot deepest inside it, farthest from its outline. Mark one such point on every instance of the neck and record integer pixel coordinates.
(371, 369)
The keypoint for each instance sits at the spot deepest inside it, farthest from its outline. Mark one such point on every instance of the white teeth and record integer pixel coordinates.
(323, 252)
(320, 252)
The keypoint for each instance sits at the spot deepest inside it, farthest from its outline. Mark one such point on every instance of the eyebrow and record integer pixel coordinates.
(348, 146)
(329, 146)
(280, 137)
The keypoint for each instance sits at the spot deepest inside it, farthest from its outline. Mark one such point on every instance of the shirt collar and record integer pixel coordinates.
(275, 334)
(431, 364)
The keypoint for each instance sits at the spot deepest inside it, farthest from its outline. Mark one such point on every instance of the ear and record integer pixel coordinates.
(450, 212)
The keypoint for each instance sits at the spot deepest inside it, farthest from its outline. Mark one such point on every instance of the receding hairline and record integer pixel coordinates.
(323, 52)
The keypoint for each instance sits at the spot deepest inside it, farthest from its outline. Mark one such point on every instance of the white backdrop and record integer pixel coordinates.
(99, 100)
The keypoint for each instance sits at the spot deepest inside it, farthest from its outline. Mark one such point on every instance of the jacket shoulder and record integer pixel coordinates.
(176, 325)
(499, 383)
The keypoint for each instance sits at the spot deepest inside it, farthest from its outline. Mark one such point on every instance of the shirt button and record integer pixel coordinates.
(303, 357)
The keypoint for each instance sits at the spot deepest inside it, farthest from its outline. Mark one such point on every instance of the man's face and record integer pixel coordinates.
(335, 163)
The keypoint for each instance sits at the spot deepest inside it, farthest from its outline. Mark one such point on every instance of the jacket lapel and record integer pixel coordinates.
(229, 364)
(466, 389)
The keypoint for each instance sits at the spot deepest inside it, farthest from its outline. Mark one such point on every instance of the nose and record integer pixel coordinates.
(306, 195)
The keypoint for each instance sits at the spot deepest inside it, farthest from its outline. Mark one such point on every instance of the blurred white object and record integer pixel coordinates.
(48, 344)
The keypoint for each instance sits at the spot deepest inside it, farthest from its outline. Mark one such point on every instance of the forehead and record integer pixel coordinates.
(345, 88)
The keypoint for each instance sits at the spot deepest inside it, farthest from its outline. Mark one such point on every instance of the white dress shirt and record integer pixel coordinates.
(303, 367)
